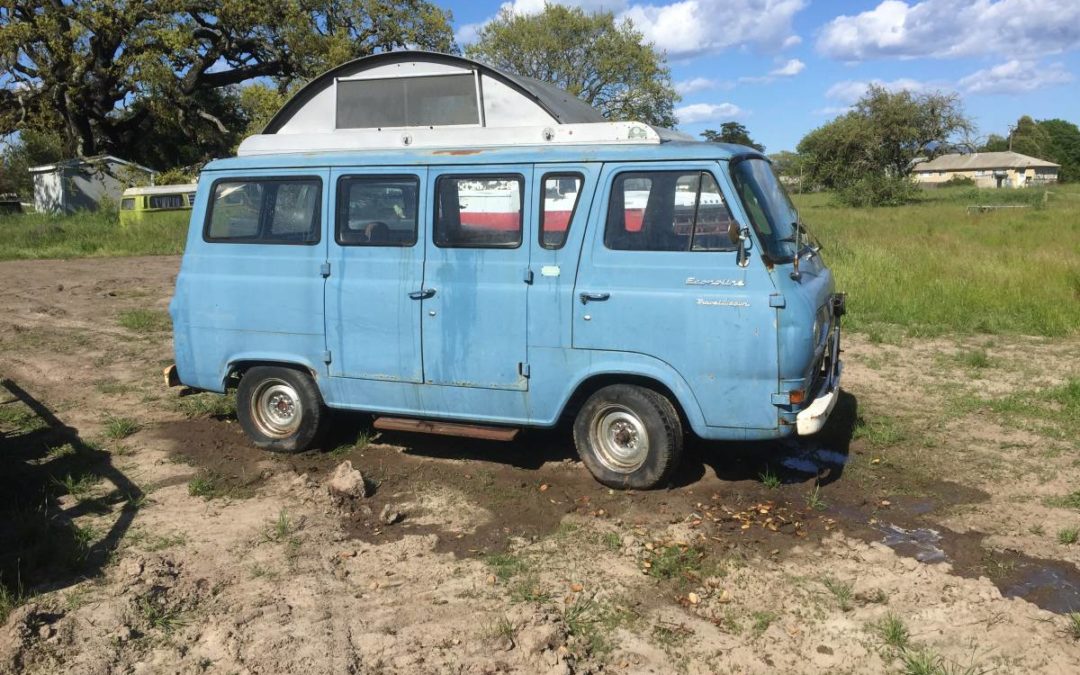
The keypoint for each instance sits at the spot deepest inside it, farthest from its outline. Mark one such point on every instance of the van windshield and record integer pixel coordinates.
(766, 202)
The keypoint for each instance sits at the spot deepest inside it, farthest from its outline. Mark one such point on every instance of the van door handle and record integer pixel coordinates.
(423, 295)
(595, 297)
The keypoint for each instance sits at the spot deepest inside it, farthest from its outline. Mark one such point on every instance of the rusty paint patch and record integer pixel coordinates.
(456, 152)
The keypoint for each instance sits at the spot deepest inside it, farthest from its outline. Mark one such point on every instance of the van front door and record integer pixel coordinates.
(659, 276)
(475, 286)
(376, 259)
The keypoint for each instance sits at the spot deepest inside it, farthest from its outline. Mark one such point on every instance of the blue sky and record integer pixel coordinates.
(784, 67)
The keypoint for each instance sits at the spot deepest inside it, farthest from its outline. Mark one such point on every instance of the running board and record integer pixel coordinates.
(446, 428)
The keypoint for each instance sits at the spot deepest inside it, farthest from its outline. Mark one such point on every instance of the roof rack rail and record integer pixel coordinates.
(593, 133)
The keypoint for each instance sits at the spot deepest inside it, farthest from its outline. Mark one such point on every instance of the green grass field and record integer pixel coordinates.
(924, 269)
(931, 268)
(90, 234)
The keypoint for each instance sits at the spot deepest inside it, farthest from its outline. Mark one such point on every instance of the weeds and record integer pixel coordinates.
(976, 359)
(1072, 625)
(761, 622)
(207, 404)
(814, 500)
(207, 484)
(592, 624)
(119, 428)
(506, 565)
(611, 541)
(78, 487)
(35, 235)
(282, 528)
(157, 615)
(1068, 535)
(842, 591)
(769, 479)
(145, 320)
(502, 629)
(1069, 501)
(670, 636)
(9, 600)
(892, 631)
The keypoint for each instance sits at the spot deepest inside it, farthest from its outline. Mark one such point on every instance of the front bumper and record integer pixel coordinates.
(812, 418)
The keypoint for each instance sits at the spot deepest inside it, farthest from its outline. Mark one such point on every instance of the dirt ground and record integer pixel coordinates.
(925, 530)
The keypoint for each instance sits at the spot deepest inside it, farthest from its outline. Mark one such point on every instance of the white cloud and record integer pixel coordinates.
(707, 112)
(789, 69)
(693, 27)
(696, 84)
(685, 27)
(850, 91)
(949, 28)
(1015, 77)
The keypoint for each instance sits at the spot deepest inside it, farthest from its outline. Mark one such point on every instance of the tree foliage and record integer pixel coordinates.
(1054, 140)
(732, 132)
(156, 80)
(605, 63)
(868, 153)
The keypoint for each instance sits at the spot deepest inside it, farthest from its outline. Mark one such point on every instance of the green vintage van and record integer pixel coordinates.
(138, 202)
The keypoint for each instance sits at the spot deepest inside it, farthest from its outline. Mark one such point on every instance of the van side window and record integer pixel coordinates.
(167, 201)
(561, 193)
(377, 210)
(127, 204)
(667, 211)
(265, 211)
(479, 211)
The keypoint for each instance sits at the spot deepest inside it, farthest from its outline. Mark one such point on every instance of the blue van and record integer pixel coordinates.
(639, 288)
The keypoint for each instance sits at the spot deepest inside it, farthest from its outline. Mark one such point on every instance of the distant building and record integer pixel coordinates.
(988, 170)
(83, 184)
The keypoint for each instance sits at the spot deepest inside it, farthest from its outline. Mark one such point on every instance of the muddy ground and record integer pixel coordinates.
(929, 529)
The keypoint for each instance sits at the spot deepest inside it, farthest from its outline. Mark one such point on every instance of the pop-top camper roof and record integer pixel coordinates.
(424, 99)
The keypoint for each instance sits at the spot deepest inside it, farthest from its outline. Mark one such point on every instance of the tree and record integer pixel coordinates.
(605, 63)
(732, 132)
(1064, 140)
(1029, 138)
(114, 75)
(868, 153)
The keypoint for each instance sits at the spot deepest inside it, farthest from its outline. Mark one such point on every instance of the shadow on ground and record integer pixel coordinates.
(48, 475)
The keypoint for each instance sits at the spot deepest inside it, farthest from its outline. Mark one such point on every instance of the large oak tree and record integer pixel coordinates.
(134, 77)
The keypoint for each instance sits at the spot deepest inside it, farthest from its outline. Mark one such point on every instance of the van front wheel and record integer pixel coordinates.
(629, 437)
(280, 409)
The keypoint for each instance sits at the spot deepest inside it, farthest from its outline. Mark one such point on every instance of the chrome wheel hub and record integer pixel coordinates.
(620, 439)
(276, 409)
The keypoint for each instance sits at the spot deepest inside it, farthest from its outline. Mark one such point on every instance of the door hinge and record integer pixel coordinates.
(777, 300)
(523, 369)
(325, 269)
(326, 356)
(528, 276)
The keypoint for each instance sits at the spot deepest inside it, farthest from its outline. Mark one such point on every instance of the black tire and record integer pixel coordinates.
(280, 409)
(629, 437)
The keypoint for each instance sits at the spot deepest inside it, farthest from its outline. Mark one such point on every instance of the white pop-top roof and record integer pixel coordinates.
(598, 133)
(160, 189)
(412, 99)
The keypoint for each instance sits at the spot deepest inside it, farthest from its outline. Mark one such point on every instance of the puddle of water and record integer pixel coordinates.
(812, 461)
(921, 543)
(1049, 585)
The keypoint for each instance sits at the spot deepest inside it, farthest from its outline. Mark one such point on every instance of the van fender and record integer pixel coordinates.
(287, 359)
(636, 368)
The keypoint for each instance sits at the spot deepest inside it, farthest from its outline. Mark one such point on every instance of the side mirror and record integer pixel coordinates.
(742, 240)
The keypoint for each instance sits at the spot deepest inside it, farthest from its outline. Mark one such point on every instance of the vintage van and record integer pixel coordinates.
(138, 202)
(480, 280)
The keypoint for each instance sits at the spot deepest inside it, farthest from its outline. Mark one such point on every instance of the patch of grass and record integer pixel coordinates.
(769, 479)
(145, 320)
(1069, 501)
(207, 404)
(761, 622)
(1050, 411)
(814, 500)
(506, 565)
(155, 613)
(1068, 535)
(78, 486)
(528, 589)
(17, 417)
(282, 528)
(61, 451)
(208, 485)
(976, 359)
(85, 234)
(9, 600)
(879, 431)
(892, 631)
(922, 662)
(118, 428)
(1072, 625)
(591, 625)
(611, 541)
(941, 256)
(676, 562)
(842, 591)
(502, 629)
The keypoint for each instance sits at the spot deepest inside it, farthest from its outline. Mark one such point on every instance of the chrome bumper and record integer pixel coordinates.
(812, 418)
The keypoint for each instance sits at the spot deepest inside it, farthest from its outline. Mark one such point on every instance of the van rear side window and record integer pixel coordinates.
(561, 192)
(377, 210)
(479, 211)
(265, 211)
(667, 211)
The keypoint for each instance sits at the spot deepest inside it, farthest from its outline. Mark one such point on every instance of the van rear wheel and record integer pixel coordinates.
(280, 409)
(629, 437)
